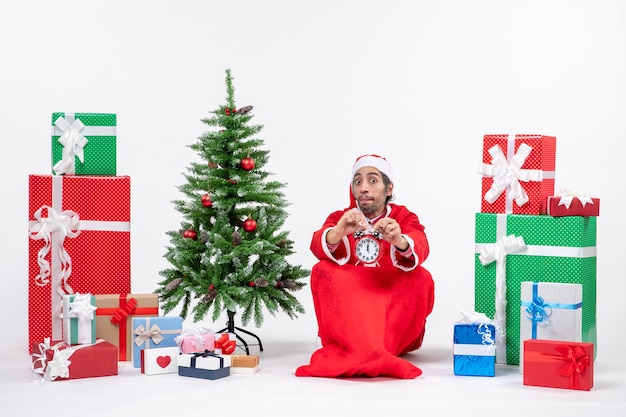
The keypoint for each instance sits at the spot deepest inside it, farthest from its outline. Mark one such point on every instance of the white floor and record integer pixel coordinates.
(275, 391)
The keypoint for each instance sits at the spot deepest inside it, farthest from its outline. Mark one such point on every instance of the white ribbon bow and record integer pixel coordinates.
(73, 143)
(567, 196)
(508, 175)
(40, 358)
(58, 366)
(473, 317)
(81, 308)
(482, 320)
(144, 334)
(197, 335)
(497, 252)
(65, 224)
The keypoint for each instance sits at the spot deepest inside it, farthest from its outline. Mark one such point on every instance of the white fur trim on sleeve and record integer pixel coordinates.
(394, 259)
(327, 251)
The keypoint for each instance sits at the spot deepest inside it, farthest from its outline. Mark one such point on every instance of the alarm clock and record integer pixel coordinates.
(367, 247)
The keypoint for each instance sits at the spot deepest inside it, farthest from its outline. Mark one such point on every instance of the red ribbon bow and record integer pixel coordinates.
(123, 312)
(577, 361)
(225, 343)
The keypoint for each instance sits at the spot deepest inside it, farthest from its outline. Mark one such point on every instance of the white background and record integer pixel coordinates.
(419, 82)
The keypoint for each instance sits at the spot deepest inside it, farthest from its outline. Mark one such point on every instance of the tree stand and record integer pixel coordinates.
(230, 327)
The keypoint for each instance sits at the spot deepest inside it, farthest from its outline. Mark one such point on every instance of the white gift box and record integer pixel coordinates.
(203, 365)
(158, 361)
(242, 370)
(210, 362)
(550, 311)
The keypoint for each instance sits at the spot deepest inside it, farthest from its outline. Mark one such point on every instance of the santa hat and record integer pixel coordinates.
(375, 161)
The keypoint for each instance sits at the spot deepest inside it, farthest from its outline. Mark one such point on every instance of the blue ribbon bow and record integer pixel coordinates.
(538, 311)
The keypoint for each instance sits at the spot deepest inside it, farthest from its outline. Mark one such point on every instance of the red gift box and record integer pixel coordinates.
(558, 364)
(573, 205)
(114, 315)
(518, 173)
(57, 360)
(79, 229)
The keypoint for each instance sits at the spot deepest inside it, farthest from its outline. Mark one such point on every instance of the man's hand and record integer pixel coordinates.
(351, 221)
(392, 233)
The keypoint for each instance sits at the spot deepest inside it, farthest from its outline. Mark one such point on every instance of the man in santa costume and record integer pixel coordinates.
(371, 294)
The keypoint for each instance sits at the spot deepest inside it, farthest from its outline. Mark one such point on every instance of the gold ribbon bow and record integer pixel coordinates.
(143, 334)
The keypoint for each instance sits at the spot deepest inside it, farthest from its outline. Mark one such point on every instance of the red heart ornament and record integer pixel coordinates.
(163, 361)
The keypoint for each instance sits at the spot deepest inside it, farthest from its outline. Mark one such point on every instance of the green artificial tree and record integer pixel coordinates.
(230, 254)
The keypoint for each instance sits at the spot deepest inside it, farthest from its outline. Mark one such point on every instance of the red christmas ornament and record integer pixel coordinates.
(211, 287)
(190, 234)
(251, 284)
(279, 284)
(227, 111)
(232, 181)
(249, 225)
(206, 200)
(247, 164)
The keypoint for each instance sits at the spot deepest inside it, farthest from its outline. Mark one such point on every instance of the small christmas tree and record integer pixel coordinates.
(230, 253)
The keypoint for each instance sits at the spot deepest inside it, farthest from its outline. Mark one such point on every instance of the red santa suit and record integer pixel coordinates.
(369, 316)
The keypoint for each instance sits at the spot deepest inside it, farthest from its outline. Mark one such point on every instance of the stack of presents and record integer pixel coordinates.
(535, 271)
(83, 318)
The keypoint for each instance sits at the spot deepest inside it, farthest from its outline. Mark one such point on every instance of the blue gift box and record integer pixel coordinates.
(474, 349)
(205, 365)
(153, 332)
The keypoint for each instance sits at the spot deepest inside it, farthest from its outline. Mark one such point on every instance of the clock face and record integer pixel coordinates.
(367, 249)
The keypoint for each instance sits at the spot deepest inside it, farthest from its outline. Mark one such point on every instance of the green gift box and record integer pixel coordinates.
(79, 319)
(84, 144)
(512, 248)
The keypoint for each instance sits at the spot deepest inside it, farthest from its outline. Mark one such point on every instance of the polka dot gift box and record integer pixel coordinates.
(84, 144)
(513, 248)
(518, 173)
(79, 242)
